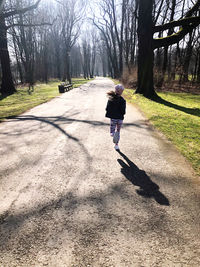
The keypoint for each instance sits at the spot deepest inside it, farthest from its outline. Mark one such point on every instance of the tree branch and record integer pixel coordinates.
(182, 22)
(174, 38)
(30, 25)
(20, 11)
(159, 11)
(188, 23)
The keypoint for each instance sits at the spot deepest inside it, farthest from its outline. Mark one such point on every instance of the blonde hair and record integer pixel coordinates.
(112, 94)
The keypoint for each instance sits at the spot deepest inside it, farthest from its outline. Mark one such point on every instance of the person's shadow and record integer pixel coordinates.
(147, 188)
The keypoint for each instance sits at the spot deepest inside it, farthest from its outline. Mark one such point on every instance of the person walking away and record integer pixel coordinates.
(115, 110)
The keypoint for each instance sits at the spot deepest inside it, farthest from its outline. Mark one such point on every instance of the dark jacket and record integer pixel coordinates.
(116, 108)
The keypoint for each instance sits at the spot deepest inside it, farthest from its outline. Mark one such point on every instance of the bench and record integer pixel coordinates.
(64, 87)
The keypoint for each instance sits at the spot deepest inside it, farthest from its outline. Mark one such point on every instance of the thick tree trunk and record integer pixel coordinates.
(145, 50)
(7, 85)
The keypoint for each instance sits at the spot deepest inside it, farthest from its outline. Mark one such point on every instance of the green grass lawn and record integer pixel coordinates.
(22, 101)
(178, 118)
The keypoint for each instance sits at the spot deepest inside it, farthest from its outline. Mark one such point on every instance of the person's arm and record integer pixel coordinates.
(123, 107)
(107, 106)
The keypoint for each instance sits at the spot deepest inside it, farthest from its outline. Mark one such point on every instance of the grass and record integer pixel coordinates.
(178, 118)
(22, 101)
(177, 77)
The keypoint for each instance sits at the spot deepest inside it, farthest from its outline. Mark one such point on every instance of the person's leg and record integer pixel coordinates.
(113, 124)
(117, 134)
(119, 125)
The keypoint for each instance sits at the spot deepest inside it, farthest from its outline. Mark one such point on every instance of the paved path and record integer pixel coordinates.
(67, 198)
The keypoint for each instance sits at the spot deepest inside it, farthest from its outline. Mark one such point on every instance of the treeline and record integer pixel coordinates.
(118, 23)
(44, 41)
(64, 39)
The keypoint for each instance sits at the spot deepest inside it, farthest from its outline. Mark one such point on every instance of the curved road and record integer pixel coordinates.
(67, 198)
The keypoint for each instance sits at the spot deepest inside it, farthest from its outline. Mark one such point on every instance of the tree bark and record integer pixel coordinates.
(146, 43)
(7, 85)
(145, 49)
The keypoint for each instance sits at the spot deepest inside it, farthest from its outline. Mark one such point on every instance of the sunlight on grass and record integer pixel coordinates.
(22, 101)
(181, 128)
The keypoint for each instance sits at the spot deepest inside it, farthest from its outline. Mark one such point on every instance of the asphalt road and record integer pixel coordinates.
(67, 198)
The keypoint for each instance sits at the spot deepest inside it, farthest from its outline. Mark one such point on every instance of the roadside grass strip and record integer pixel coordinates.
(22, 100)
(178, 118)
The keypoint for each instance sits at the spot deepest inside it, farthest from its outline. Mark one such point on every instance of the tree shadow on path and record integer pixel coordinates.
(147, 188)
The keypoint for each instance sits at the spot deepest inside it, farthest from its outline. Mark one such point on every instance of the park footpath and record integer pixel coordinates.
(69, 199)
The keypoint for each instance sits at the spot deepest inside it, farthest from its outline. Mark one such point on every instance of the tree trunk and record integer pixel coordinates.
(169, 65)
(145, 50)
(7, 85)
(165, 62)
(68, 63)
(17, 56)
(57, 60)
(19, 67)
(133, 35)
(198, 68)
(187, 58)
(45, 59)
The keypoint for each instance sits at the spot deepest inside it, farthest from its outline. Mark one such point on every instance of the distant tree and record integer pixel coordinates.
(103, 55)
(57, 46)
(86, 55)
(89, 53)
(130, 33)
(94, 42)
(71, 15)
(76, 67)
(111, 25)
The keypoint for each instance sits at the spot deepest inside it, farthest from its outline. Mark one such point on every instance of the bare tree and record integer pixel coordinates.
(76, 67)
(103, 55)
(130, 33)
(71, 15)
(111, 25)
(86, 54)
(7, 85)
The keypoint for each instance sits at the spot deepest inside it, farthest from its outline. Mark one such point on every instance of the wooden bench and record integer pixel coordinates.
(64, 87)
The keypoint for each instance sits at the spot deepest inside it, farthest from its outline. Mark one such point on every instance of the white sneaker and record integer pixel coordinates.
(116, 147)
(116, 138)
